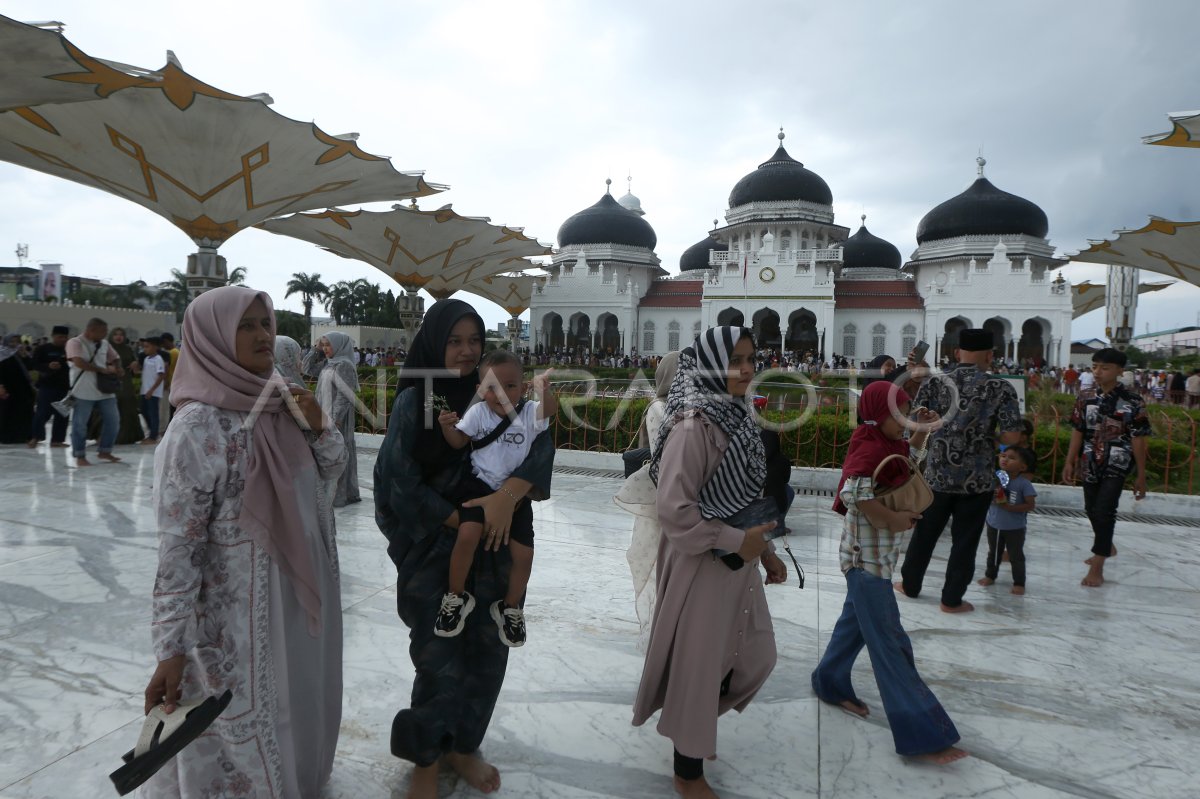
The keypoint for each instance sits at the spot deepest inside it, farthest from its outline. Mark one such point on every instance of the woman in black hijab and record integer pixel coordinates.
(457, 679)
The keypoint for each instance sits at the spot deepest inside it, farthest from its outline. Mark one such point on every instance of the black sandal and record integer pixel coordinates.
(164, 736)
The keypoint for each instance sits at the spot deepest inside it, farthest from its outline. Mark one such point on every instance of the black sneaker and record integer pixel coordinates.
(511, 622)
(452, 616)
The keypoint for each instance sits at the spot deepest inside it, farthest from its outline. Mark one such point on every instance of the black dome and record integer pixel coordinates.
(780, 178)
(607, 222)
(865, 249)
(696, 256)
(983, 209)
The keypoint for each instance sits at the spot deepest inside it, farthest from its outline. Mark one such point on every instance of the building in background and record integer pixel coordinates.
(782, 266)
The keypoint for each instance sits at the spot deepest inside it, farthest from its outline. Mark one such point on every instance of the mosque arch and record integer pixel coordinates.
(1001, 330)
(552, 330)
(766, 328)
(950, 333)
(1035, 337)
(802, 331)
(579, 332)
(608, 332)
(731, 317)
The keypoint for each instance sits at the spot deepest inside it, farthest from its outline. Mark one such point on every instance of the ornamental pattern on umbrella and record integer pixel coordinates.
(1162, 246)
(211, 162)
(511, 292)
(1185, 131)
(440, 250)
(42, 66)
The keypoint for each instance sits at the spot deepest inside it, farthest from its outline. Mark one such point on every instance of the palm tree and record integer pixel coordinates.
(131, 295)
(238, 276)
(177, 293)
(339, 301)
(310, 288)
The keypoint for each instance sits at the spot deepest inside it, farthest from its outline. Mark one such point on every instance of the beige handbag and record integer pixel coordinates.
(913, 495)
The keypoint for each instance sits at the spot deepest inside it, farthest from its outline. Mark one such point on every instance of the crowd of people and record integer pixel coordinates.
(251, 466)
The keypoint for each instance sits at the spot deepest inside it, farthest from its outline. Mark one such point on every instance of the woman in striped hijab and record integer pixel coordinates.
(711, 645)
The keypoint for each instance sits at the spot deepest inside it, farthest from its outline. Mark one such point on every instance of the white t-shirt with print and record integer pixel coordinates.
(494, 463)
(152, 367)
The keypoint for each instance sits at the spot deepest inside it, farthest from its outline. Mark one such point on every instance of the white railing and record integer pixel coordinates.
(782, 257)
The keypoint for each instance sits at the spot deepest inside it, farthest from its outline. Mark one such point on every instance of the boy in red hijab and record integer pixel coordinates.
(870, 546)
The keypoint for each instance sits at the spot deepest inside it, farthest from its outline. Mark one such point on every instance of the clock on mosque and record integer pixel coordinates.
(766, 274)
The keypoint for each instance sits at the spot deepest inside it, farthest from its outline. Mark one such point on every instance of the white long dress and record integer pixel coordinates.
(219, 599)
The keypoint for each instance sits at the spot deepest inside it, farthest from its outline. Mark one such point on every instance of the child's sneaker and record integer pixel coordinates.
(511, 622)
(452, 616)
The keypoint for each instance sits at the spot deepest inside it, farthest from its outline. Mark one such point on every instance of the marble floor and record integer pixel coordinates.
(1065, 692)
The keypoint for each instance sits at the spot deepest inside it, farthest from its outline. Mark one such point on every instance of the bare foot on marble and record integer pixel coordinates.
(479, 774)
(859, 709)
(1092, 560)
(962, 607)
(108, 456)
(1094, 578)
(1019, 590)
(81, 462)
(985, 581)
(694, 789)
(424, 783)
(900, 590)
(941, 758)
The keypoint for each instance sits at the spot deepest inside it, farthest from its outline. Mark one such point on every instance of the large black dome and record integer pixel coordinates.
(696, 256)
(983, 209)
(866, 250)
(607, 222)
(780, 178)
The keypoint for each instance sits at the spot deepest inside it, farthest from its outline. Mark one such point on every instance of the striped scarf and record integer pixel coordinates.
(700, 386)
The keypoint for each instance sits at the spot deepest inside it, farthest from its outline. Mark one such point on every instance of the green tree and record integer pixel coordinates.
(310, 288)
(131, 295)
(238, 276)
(290, 323)
(176, 294)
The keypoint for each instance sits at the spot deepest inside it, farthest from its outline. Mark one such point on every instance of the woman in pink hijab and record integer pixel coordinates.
(247, 595)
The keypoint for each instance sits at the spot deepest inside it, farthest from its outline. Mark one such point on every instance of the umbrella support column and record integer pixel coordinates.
(205, 270)
(1122, 304)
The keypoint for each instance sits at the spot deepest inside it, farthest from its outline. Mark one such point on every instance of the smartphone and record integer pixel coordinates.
(920, 350)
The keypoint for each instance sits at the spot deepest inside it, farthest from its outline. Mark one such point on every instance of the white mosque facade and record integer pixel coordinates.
(782, 266)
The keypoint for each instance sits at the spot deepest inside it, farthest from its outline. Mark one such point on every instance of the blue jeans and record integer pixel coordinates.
(870, 617)
(110, 422)
(150, 411)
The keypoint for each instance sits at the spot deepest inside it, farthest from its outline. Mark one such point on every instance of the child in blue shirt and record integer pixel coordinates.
(1006, 517)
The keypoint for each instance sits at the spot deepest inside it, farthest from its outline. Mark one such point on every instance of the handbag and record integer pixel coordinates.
(912, 496)
(108, 384)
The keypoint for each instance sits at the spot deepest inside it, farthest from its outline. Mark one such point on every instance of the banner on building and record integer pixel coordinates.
(51, 283)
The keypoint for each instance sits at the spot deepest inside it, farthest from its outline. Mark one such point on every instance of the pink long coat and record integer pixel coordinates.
(709, 620)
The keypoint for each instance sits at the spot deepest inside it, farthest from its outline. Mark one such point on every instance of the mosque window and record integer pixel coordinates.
(878, 340)
(673, 336)
(850, 341)
(785, 240)
(908, 339)
(648, 337)
(696, 329)
(804, 239)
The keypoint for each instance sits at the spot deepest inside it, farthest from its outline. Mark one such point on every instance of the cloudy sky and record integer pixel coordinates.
(524, 108)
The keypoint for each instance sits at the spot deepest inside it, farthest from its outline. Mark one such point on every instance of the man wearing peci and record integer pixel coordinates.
(961, 465)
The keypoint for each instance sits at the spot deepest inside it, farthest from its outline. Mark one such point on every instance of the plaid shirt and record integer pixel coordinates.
(863, 546)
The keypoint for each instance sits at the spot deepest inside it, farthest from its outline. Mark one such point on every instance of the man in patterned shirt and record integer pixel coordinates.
(1111, 430)
(961, 466)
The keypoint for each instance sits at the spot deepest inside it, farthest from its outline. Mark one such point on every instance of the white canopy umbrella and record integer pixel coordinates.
(1162, 246)
(512, 292)
(40, 66)
(1087, 296)
(440, 250)
(211, 162)
(1185, 131)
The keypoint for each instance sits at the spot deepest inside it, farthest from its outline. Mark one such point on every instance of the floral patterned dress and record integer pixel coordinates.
(219, 599)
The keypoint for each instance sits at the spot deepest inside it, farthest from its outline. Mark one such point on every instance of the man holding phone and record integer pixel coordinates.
(961, 464)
